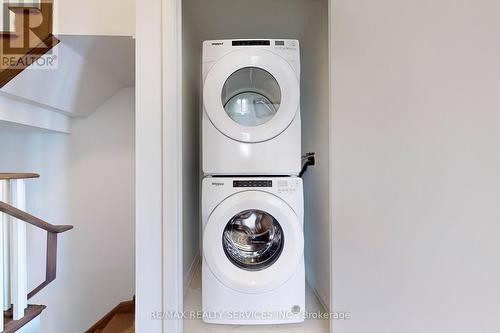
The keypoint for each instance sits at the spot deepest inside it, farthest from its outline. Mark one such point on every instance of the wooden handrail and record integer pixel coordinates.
(33, 220)
(16, 175)
(51, 265)
(52, 232)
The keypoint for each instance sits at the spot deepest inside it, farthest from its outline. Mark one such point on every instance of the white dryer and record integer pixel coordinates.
(253, 250)
(251, 107)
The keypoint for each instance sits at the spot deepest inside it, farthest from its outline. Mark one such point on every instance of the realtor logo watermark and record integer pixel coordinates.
(249, 315)
(26, 39)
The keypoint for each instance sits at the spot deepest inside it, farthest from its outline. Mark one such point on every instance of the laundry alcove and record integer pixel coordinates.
(306, 21)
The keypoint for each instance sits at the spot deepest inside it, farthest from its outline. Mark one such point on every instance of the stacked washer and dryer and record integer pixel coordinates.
(252, 198)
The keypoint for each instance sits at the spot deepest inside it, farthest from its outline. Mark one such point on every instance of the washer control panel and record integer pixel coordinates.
(248, 42)
(252, 183)
(288, 185)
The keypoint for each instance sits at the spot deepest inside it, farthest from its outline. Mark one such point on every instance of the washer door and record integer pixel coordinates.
(251, 95)
(253, 242)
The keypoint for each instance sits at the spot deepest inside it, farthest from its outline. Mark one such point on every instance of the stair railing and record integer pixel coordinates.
(14, 293)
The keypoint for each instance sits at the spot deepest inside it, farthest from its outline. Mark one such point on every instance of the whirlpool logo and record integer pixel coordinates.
(217, 184)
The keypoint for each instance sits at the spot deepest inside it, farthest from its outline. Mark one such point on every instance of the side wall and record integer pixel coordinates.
(87, 180)
(416, 165)
(191, 147)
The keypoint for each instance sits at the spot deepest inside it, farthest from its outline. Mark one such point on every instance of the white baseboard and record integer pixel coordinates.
(322, 296)
(192, 270)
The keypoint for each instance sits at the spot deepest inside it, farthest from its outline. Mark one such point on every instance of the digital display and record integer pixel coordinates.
(252, 183)
(250, 42)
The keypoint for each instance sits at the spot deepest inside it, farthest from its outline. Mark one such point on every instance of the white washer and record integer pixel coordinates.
(253, 250)
(251, 107)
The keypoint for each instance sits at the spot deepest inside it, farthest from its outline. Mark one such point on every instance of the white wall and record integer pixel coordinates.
(87, 180)
(416, 165)
(90, 69)
(94, 17)
(315, 130)
(191, 148)
(297, 19)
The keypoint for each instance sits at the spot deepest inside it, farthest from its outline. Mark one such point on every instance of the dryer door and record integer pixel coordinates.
(251, 95)
(253, 242)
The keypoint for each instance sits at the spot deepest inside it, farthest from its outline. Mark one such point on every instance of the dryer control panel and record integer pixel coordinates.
(213, 50)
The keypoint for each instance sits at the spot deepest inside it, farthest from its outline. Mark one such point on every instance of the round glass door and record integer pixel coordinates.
(251, 96)
(253, 240)
(246, 248)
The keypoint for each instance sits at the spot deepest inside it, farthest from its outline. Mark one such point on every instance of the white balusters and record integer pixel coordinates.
(19, 274)
(4, 287)
(13, 261)
(6, 229)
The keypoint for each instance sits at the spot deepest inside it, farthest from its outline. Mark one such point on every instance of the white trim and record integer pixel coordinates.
(159, 285)
(172, 162)
(331, 150)
(149, 169)
(19, 114)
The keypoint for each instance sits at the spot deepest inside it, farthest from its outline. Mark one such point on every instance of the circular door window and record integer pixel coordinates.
(253, 240)
(251, 96)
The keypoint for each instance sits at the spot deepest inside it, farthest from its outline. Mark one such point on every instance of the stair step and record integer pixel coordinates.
(30, 313)
(129, 330)
(120, 323)
(126, 308)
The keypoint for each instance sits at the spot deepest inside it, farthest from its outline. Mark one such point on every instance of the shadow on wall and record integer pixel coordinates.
(87, 179)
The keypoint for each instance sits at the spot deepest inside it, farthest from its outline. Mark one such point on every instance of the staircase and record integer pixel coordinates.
(14, 294)
(30, 39)
(119, 320)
